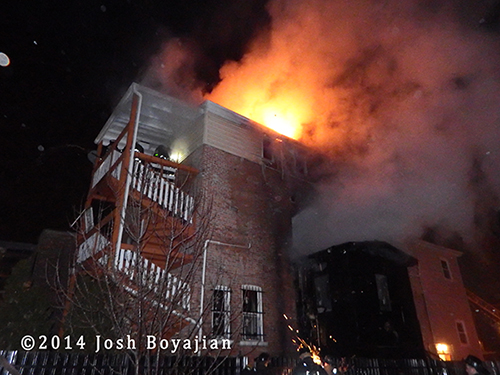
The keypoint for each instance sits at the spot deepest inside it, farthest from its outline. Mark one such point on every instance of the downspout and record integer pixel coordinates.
(203, 276)
(129, 174)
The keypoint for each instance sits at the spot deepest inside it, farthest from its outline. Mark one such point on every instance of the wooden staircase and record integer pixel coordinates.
(140, 238)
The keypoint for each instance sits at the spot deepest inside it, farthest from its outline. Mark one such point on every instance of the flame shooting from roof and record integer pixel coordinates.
(266, 92)
(276, 83)
(402, 95)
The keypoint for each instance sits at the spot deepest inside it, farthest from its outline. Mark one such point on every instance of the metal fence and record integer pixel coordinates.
(54, 363)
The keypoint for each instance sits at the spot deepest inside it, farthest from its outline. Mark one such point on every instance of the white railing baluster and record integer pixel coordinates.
(169, 285)
(156, 188)
(150, 181)
(170, 198)
(165, 194)
(135, 177)
(176, 201)
(117, 260)
(139, 176)
(184, 199)
(189, 212)
(160, 191)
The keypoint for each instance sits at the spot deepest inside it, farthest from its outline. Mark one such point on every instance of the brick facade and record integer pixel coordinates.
(252, 209)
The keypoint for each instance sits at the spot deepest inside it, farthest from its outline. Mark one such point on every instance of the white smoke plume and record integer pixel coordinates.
(172, 71)
(404, 98)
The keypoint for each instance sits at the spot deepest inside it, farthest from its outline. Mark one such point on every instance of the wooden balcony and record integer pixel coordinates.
(138, 216)
(158, 219)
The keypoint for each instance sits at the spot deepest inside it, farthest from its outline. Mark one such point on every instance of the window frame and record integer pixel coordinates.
(463, 337)
(256, 316)
(225, 312)
(446, 269)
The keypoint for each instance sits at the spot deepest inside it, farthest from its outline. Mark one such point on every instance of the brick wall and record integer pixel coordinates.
(251, 210)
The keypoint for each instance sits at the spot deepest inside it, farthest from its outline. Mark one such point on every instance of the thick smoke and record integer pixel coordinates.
(172, 71)
(404, 98)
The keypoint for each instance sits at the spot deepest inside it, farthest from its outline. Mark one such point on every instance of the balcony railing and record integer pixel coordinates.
(91, 246)
(138, 268)
(153, 180)
(155, 183)
(112, 159)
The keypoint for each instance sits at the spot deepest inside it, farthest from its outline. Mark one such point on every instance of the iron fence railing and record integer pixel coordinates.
(45, 363)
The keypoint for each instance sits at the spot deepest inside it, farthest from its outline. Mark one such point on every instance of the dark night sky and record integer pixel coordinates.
(70, 63)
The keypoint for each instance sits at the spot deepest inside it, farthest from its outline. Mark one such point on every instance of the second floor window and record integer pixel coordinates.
(252, 313)
(446, 269)
(221, 313)
(462, 334)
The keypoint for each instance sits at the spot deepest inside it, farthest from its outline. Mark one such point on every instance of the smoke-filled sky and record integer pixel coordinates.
(413, 111)
(401, 95)
(404, 98)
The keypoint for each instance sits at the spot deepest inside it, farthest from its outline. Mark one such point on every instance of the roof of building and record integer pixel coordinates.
(373, 248)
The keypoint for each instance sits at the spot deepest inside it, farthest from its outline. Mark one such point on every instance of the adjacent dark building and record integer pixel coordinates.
(356, 299)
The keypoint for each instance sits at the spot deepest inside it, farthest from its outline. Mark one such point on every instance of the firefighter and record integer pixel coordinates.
(474, 366)
(306, 365)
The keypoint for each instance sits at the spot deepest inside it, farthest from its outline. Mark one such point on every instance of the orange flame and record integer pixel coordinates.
(269, 89)
(284, 114)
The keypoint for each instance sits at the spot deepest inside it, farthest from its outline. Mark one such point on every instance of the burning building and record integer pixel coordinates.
(199, 188)
(195, 203)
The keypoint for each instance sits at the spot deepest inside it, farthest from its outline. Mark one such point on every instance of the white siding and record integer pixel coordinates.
(238, 139)
(190, 137)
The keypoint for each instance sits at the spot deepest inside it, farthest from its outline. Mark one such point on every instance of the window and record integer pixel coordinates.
(266, 149)
(252, 313)
(446, 269)
(221, 312)
(268, 152)
(443, 351)
(384, 299)
(462, 334)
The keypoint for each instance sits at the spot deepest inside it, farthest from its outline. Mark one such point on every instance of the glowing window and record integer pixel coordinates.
(443, 351)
